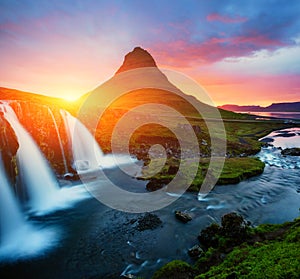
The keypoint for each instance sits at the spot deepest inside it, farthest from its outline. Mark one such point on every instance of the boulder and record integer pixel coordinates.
(183, 216)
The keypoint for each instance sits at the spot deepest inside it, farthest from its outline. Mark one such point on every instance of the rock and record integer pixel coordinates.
(8, 148)
(291, 151)
(183, 216)
(172, 170)
(209, 236)
(234, 231)
(195, 251)
(149, 221)
(233, 225)
(154, 184)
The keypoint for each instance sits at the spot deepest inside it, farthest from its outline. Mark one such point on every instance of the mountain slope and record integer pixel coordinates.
(18, 95)
(136, 76)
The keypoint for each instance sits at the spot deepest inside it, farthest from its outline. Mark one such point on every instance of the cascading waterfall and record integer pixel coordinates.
(18, 238)
(59, 141)
(9, 223)
(35, 172)
(87, 154)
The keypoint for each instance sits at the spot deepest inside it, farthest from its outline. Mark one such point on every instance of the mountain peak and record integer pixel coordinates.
(138, 58)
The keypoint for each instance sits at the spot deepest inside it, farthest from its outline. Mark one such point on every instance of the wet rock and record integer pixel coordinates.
(233, 225)
(195, 251)
(210, 235)
(291, 151)
(154, 185)
(8, 148)
(183, 216)
(149, 221)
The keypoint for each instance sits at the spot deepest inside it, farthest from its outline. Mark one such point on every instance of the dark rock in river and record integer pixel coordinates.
(291, 151)
(149, 221)
(182, 216)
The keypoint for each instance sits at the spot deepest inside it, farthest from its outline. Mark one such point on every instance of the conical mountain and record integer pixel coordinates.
(146, 83)
(138, 58)
(139, 82)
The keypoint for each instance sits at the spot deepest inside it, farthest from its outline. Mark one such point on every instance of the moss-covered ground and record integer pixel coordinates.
(268, 251)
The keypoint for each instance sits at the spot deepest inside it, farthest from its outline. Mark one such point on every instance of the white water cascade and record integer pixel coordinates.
(8, 203)
(18, 238)
(35, 172)
(59, 141)
(87, 154)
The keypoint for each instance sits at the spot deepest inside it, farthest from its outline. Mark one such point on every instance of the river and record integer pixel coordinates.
(99, 242)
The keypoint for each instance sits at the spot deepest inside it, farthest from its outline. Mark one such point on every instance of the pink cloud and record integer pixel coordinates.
(182, 53)
(225, 19)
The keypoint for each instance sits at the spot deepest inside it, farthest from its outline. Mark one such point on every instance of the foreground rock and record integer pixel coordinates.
(182, 216)
(291, 151)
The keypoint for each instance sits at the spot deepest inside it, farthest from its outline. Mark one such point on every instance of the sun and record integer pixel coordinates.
(70, 97)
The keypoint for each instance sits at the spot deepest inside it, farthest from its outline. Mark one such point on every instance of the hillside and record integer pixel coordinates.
(18, 95)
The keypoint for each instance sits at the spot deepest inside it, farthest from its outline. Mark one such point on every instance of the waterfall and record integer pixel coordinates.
(87, 154)
(59, 141)
(34, 170)
(18, 238)
(11, 218)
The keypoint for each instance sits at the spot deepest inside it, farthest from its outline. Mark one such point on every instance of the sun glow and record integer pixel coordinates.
(69, 97)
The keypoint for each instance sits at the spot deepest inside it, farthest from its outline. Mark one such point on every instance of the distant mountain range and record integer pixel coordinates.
(275, 107)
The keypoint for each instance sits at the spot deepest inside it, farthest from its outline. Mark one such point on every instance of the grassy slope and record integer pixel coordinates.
(13, 94)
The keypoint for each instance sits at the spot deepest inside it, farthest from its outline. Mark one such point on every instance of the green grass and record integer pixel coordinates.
(175, 269)
(274, 254)
(234, 170)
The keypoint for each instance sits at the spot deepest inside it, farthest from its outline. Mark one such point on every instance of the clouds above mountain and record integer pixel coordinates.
(81, 43)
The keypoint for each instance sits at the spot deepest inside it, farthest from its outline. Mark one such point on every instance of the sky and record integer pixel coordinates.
(241, 52)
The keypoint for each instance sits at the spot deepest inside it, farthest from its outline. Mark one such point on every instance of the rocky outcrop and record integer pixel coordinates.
(233, 231)
(8, 148)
